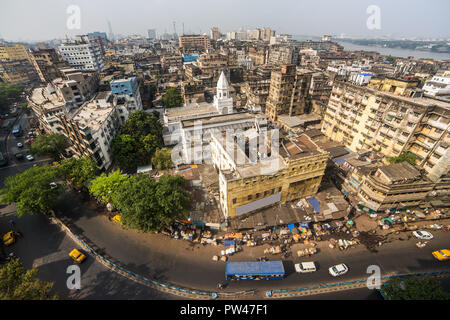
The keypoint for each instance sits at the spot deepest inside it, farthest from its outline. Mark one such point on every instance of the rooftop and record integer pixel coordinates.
(89, 115)
(400, 171)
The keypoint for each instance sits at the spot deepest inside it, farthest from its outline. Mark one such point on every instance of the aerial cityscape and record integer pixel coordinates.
(184, 151)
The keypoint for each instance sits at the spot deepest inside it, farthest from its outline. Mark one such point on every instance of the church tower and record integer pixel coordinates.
(222, 100)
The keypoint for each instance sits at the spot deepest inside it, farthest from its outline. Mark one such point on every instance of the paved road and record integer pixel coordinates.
(46, 247)
(182, 263)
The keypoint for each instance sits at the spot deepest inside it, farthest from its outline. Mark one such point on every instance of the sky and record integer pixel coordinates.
(37, 20)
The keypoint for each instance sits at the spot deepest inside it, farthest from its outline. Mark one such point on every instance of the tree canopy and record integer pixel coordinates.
(105, 185)
(172, 98)
(406, 156)
(415, 289)
(162, 159)
(16, 283)
(79, 171)
(140, 136)
(53, 145)
(31, 190)
(148, 205)
(9, 93)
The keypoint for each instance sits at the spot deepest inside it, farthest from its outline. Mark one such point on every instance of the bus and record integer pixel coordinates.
(254, 270)
(3, 160)
(17, 130)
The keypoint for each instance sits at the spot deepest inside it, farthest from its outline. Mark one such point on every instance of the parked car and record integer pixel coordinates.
(305, 267)
(53, 185)
(30, 157)
(442, 255)
(338, 270)
(423, 235)
(9, 238)
(19, 156)
(77, 256)
(19, 144)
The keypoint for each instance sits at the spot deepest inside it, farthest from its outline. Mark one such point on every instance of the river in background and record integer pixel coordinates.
(396, 52)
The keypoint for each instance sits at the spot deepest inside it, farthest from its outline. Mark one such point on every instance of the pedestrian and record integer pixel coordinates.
(12, 223)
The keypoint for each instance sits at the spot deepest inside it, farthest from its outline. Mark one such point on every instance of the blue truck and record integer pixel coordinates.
(254, 270)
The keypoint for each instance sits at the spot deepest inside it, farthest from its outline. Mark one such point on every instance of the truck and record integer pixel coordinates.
(254, 270)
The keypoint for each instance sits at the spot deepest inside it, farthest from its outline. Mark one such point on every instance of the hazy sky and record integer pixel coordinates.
(24, 20)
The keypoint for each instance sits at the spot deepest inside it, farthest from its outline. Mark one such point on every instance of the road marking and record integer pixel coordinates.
(53, 257)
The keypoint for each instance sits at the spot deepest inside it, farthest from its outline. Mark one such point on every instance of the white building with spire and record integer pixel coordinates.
(189, 128)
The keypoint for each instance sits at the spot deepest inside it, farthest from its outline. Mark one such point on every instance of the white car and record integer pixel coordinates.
(53, 185)
(305, 267)
(30, 157)
(19, 144)
(338, 270)
(423, 235)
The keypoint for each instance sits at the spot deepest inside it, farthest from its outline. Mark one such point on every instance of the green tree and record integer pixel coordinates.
(172, 98)
(149, 205)
(53, 145)
(79, 171)
(16, 283)
(415, 289)
(9, 93)
(140, 136)
(126, 152)
(31, 190)
(406, 156)
(105, 185)
(162, 159)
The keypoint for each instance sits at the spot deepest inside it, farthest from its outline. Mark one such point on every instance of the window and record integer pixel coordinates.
(249, 197)
(234, 201)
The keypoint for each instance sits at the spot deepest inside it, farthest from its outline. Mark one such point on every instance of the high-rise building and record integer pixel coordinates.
(267, 33)
(289, 92)
(151, 34)
(82, 53)
(15, 65)
(194, 42)
(47, 64)
(214, 33)
(363, 119)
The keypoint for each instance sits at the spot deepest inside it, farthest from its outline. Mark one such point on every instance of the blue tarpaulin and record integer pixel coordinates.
(315, 204)
(290, 226)
(228, 243)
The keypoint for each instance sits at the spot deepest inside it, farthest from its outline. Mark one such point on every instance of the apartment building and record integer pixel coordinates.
(256, 92)
(395, 186)
(129, 96)
(82, 53)
(251, 180)
(438, 85)
(194, 42)
(47, 64)
(283, 54)
(367, 119)
(267, 33)
(92, 127)
(258, 55)
(172, 63)
(400, 87)
(214, 33)
(15, 65)
(289, 92)
(62, 95)
(14, 52)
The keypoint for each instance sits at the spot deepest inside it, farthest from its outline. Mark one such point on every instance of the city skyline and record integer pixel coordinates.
(398, 20)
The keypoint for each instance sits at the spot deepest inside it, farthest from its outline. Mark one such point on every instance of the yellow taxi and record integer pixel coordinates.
(117, 219)
(77, 255)
(442, 255)
(9, 238)
(56, 164)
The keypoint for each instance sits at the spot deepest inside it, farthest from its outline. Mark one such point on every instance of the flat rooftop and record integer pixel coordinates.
(221, 118)
(400, 171)
(46, 100)
(299, 147)
(191, 110)
(88, 115)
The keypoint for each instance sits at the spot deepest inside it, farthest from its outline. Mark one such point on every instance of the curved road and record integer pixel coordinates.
(183, 263)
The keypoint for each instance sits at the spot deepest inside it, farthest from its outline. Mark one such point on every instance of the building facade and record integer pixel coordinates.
(83, 54)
